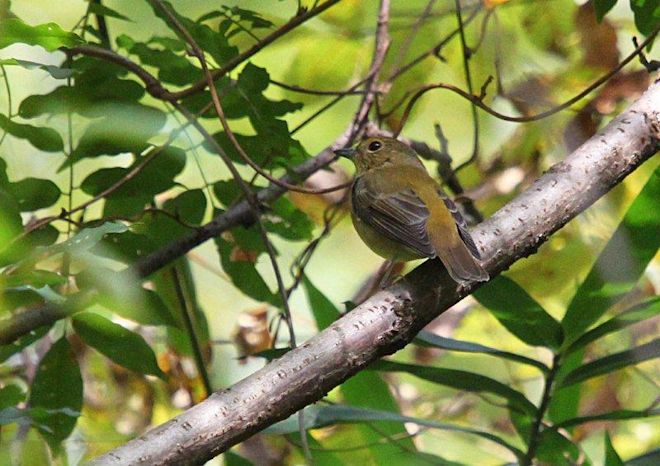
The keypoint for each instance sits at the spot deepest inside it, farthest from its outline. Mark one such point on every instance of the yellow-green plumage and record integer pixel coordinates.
(402, 214)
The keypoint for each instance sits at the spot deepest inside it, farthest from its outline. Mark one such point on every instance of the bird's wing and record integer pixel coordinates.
(400, 216)
(461, 224)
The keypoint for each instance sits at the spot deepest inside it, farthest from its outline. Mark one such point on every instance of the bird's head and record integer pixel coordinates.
(379, 152)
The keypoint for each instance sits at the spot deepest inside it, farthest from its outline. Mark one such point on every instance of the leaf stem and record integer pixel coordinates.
(540, 413)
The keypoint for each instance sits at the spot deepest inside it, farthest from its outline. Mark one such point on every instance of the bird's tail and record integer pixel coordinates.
(460, 263)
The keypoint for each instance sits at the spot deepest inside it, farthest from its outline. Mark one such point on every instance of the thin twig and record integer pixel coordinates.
(467, 54)
(303, 90)
(540, 413)
(248, 193)
(186, 314)
(412, 33)
(240, 58)
(525, 119)
(380, 51)
(433, 51)
(9, 104)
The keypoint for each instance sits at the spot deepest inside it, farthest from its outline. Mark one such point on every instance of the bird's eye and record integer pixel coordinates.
(374, 146)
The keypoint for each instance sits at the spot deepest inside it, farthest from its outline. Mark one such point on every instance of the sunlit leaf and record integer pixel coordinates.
(50, 36)
(122, 346)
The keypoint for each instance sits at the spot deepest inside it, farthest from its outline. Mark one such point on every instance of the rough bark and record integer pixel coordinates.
(390, 319)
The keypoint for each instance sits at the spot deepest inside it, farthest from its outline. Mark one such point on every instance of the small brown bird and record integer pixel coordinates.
(402, 214)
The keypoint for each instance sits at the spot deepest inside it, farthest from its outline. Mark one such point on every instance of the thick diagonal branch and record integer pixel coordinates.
(390, 319)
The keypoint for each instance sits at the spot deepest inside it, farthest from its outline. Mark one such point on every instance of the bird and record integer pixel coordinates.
(403, 214)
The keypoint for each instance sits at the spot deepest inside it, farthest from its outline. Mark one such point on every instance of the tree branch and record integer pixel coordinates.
(390, 319)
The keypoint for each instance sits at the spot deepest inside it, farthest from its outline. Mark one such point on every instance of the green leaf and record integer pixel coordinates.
(189, 206)
(232, 459)
(227, 191)
(287, 221)
(618, 415)
(554, 448)
(45, 292)
(45, 139)
(124, 128)
(613, 362)
(426, 338)
(461, 380)
(652, 458)
(619, 266)
(84, 240)
(23, 342)
(34, 278)
(637, 313)
(611, 456)
(172, 67)
(647, 15)
(55, 71)
(566, 400)
(50, 36)
(213, 43)
(519, 313)
(324, 312)
(90, 96)
(367, 389)
(102, 10)
(130, 198)
(34, 194)
(317, 417)
(57, 388)
(11, 223)
(10, 395)
(602, 7)
(135, 303)
(122, 346)
(244, 275)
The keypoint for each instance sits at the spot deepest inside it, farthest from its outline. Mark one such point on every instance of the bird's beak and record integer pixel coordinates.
(347, 152)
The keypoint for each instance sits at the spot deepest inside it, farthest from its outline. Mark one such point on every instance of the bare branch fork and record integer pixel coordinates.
(390, 319)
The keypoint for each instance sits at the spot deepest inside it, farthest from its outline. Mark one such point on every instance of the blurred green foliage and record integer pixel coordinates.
(96, 173)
